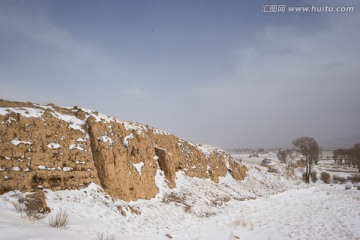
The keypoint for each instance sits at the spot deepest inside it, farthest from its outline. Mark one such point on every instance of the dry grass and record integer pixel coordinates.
(178, 199)
(103, 236)
(60, 220)
(244, 198)
(291, 165)
(299, 164)
(244, 224)
(174, 197)
(20, 208)
(135, 210)
(219, 201)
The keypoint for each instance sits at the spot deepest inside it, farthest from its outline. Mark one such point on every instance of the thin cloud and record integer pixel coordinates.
(134, 92)
(56, 61)
(289, 83)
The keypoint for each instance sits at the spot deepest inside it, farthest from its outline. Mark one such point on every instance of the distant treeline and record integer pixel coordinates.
(348, 156)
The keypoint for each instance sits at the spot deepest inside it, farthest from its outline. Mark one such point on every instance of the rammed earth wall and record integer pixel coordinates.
(66, 148)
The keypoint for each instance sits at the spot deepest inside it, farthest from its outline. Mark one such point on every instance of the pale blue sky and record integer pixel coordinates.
(215, 72)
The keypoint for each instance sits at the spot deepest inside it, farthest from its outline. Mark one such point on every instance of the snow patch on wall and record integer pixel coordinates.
(67, 169)
(160, 132)
(106, 139)
(74, 122)
(139, 128)
(25, 112)
(54, 145)
(16, 142)
(16, 169)
(206, 149)
(76, 146)
(138, 167)
(125, 141)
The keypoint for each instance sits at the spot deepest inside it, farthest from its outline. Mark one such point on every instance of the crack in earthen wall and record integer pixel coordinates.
(96, 156)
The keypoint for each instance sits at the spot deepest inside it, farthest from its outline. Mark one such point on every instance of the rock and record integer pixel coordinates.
(265, 162)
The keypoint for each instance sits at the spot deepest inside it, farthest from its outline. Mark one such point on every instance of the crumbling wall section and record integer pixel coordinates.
(67, 148)
(39, 150)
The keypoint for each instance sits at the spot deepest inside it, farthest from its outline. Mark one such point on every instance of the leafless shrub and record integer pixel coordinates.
(281, 156)
(338, 179)
(303, 176)
(36, 208)
(325, 177)
(20, 207)
(60, 220)
(313, 176)
(355, 178)
(32, 207)
(289, 168)
(272, 169)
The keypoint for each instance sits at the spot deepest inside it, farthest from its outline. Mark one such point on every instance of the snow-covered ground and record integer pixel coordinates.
(266, 205)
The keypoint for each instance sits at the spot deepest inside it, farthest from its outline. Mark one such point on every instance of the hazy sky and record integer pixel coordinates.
(210, 71)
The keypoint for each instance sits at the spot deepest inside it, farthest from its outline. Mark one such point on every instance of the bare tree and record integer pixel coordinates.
(309, 148)
(281, 155)
(357, 155)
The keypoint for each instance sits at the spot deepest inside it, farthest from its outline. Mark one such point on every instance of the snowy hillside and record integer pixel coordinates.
(265, 205)
(132, 181)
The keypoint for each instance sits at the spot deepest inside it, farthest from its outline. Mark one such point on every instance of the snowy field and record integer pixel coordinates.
(265, 205)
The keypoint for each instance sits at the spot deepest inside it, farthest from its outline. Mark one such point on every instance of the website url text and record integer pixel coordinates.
(306, 9)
